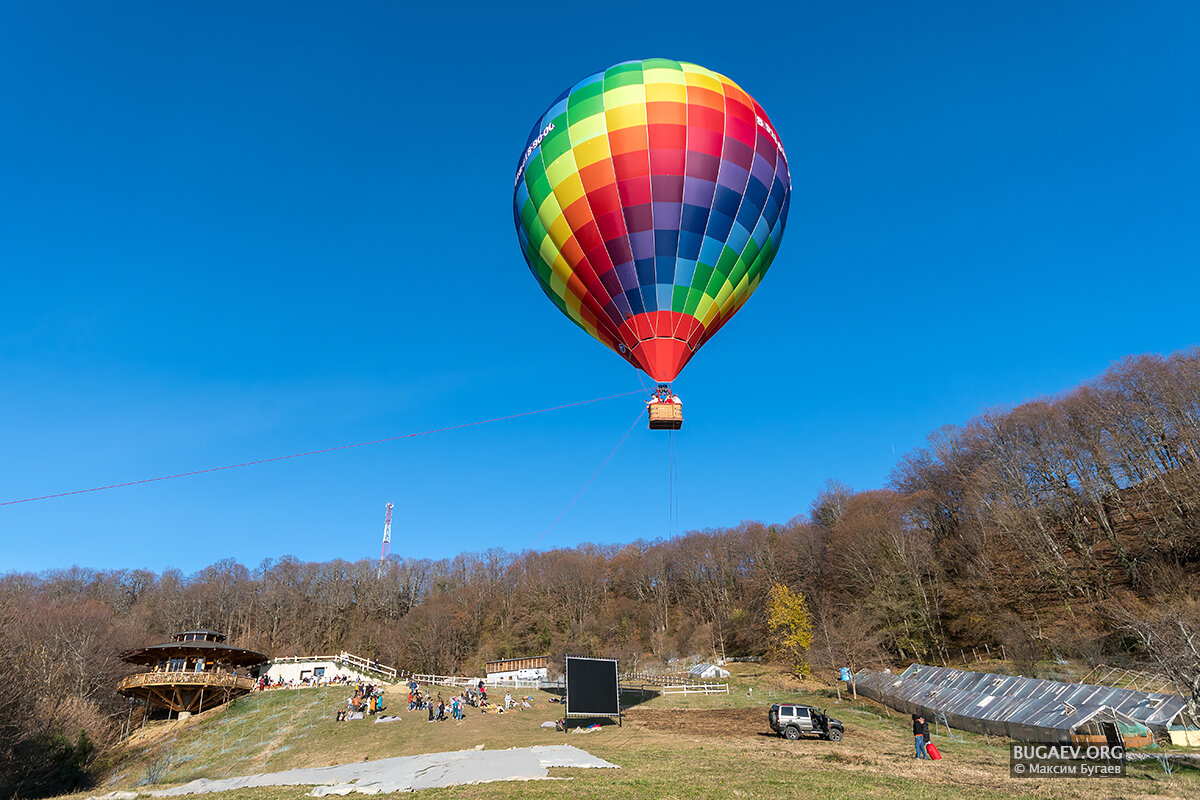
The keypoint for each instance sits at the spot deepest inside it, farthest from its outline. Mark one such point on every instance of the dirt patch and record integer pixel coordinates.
(721, 723)
(838, 757)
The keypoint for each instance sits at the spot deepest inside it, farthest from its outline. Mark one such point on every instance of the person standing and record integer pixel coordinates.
(920, 735)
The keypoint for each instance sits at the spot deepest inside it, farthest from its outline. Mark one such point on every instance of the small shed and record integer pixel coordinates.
(708, 671)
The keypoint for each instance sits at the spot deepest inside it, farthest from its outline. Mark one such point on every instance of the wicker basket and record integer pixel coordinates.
(666, 416)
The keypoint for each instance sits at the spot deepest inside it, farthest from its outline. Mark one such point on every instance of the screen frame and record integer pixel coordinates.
(577, 713)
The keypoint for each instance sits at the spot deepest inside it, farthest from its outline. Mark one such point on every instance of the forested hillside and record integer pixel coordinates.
(1066, 527)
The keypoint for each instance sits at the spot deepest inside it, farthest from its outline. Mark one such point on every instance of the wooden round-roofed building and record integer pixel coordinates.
(194, 672)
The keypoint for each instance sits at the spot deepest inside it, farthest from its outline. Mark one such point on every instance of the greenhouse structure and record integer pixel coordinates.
(1025, 709)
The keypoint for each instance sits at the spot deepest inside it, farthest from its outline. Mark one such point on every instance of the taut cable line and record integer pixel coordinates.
(414, 435)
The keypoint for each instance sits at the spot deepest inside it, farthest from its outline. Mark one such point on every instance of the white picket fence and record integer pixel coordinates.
(470, 683)
(443, 680)
(464, 682)
(517, 684)
(694, 688)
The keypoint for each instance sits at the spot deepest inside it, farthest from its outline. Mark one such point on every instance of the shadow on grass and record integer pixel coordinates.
(804, 737)
(636, 695)
(630, 696)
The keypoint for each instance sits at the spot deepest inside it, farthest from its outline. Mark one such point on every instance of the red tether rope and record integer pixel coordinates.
(319, 452)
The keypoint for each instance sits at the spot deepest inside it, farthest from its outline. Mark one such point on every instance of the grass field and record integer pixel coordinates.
(715, 746)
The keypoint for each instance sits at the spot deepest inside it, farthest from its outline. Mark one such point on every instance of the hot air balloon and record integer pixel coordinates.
(649, 201)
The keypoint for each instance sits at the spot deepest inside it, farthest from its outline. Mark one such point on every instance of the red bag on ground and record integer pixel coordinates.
(933, 752)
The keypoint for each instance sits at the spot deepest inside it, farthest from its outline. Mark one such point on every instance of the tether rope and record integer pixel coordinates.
(670, 484)
(319, 452)
(674, 486)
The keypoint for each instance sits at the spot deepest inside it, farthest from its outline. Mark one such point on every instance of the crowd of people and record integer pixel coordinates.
(367, 700)
(663, 395)
(265, 682)
(440, 709)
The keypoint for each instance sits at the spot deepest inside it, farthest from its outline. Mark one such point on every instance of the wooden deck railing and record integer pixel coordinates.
(212, 678)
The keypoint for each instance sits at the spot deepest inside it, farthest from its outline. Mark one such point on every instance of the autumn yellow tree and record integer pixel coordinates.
(790, 624)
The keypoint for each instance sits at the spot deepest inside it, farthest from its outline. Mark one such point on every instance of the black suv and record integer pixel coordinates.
(794, 721)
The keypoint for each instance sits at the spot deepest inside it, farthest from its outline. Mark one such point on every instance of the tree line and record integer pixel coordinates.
(1063, 527)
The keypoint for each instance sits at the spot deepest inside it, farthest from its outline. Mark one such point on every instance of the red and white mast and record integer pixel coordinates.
(386, 549)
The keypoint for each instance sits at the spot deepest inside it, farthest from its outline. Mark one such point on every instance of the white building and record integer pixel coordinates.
(530, 668)
(321, 669)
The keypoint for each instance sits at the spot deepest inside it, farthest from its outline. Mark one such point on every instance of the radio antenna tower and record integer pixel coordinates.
(386, 549)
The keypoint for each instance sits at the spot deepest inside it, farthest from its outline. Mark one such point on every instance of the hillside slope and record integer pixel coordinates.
(669, 747)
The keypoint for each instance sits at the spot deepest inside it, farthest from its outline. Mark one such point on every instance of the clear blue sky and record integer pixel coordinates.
(232, 231)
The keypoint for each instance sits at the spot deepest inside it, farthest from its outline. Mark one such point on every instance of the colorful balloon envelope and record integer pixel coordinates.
(650, 199)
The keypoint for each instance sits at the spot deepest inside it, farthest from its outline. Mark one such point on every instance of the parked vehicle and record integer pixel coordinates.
(793, 721)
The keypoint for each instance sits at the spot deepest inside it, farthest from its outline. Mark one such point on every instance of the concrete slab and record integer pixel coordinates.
(409, 773)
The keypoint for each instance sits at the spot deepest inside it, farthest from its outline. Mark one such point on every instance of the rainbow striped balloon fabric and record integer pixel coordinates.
(650, 199)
